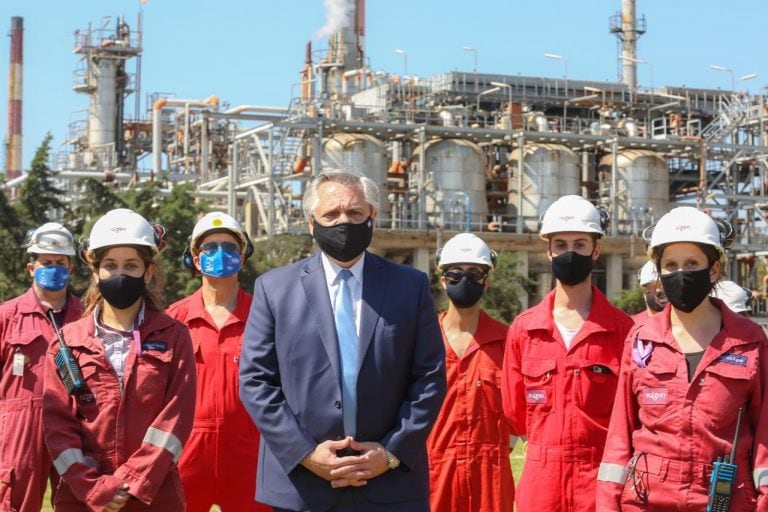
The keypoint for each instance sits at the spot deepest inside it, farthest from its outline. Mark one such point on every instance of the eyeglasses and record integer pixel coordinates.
(209, 247)
(473, 274)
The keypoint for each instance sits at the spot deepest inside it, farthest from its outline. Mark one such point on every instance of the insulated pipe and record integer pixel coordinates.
(13, 162)
(204, 148)
(157, 123)
(256, 108)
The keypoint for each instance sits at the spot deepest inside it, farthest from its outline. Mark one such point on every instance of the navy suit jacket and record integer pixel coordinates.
(291, 386)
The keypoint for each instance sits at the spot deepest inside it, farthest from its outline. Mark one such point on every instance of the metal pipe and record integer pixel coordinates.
(231, 198)
(157, 141)
(204, 151)
(520, 164)
(256, 108)
(13, 156)
(614, 177)
(271, 189)
(422, 178)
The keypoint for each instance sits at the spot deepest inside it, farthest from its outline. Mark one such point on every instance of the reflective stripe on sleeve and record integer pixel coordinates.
(614, 473)
(760, 475)
(67, 458)
(164, 440)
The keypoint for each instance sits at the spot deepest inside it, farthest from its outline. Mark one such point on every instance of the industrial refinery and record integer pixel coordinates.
(457, 151)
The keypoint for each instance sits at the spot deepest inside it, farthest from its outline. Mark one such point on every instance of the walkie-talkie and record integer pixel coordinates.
(66, 364)
(723, 477)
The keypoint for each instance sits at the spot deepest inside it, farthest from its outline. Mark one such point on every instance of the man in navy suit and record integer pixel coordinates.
(342, 366)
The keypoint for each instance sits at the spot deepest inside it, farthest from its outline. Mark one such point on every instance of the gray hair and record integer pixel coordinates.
(344, 177)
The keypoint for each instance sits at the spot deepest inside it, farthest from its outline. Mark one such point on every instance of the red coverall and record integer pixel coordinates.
(24, 461)
(641, 317)
(223, 434)
(469, 469)
(561, 399)
(677, 429)
(109, 436)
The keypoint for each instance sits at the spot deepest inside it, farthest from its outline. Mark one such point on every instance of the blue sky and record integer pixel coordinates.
(251, 51)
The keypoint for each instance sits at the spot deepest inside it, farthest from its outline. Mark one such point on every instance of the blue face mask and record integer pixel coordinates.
(220, 263)
(52, 278)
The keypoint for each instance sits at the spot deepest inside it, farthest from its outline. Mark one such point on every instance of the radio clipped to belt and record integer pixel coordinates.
(66, 364)
(723, 477)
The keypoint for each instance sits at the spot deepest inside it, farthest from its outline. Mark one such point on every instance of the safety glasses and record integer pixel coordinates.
(473, 274)
(211, 247)
(48, 240)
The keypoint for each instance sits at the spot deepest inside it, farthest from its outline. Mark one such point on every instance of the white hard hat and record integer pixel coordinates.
(468, 249)
(685, 224)
(217, 221)
(571, 214)
(51, 238)
(122, 227)
(647, 273)
(733, 295)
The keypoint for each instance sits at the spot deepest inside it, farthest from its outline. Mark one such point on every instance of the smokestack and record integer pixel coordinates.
(629, 48)
(628, 28)
(13, 164)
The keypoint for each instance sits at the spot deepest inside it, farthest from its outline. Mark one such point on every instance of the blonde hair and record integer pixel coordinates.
(153, 295)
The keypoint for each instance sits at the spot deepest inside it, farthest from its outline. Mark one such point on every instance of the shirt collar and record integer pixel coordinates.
(332, 269)
(100, 327)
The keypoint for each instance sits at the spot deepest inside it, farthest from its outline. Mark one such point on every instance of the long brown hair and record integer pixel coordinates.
(153, 295)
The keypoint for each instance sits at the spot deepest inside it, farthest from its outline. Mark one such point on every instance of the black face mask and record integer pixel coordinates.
(465, 293)
(653, 302)
(686, 289)
(343, 242)
(572, 268)
(122, 291)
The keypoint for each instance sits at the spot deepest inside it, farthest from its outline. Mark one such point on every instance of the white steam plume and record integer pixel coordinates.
(338, 15)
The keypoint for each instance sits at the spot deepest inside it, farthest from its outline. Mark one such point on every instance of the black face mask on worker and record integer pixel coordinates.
(122, 291)
(465, 293)
(653, 302)
(572, 268)
(686, 289)
(343, 242)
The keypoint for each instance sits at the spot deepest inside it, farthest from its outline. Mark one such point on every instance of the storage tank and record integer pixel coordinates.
(549, 172)
(362, 153)
(456, 195)
(642, 187)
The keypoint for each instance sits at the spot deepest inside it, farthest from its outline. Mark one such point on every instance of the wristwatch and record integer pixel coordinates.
(392, 461)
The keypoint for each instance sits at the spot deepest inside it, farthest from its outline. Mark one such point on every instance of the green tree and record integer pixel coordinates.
(272, 253)
(13, 280)
(631, 301)
(39, 198)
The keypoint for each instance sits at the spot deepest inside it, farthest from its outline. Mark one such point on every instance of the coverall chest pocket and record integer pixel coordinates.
(539, 376)
(596, 386)
(725, 388)
(31, 346)
(153, 370)
(655, 390)
(487, 393)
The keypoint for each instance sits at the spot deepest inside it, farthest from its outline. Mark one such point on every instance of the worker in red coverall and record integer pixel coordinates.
(653, 293)
(469, 446)
(116, 440)
(687, 375)
(561, 367)
(223, 434)
(25, 333)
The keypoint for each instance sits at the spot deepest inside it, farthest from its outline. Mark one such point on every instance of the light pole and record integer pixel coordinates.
(502, 85)
(555, 56)
(405, 60)
(747, 77)
(487, 91)
(474, 62)
(728, 70)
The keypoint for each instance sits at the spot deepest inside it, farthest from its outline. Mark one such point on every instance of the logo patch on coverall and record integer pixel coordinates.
(537, 396)
(655, 396)
(737, 359)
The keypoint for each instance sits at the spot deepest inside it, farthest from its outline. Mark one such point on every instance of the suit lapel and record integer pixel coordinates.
(374, 290)
(316, 289)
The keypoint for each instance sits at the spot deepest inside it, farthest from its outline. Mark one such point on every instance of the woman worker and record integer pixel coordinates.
(115, 442)
(688, 374)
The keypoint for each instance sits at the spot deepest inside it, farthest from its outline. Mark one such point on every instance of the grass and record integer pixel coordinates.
(516, 459)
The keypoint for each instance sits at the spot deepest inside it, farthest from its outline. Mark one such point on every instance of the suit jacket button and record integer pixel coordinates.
(338, 404)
